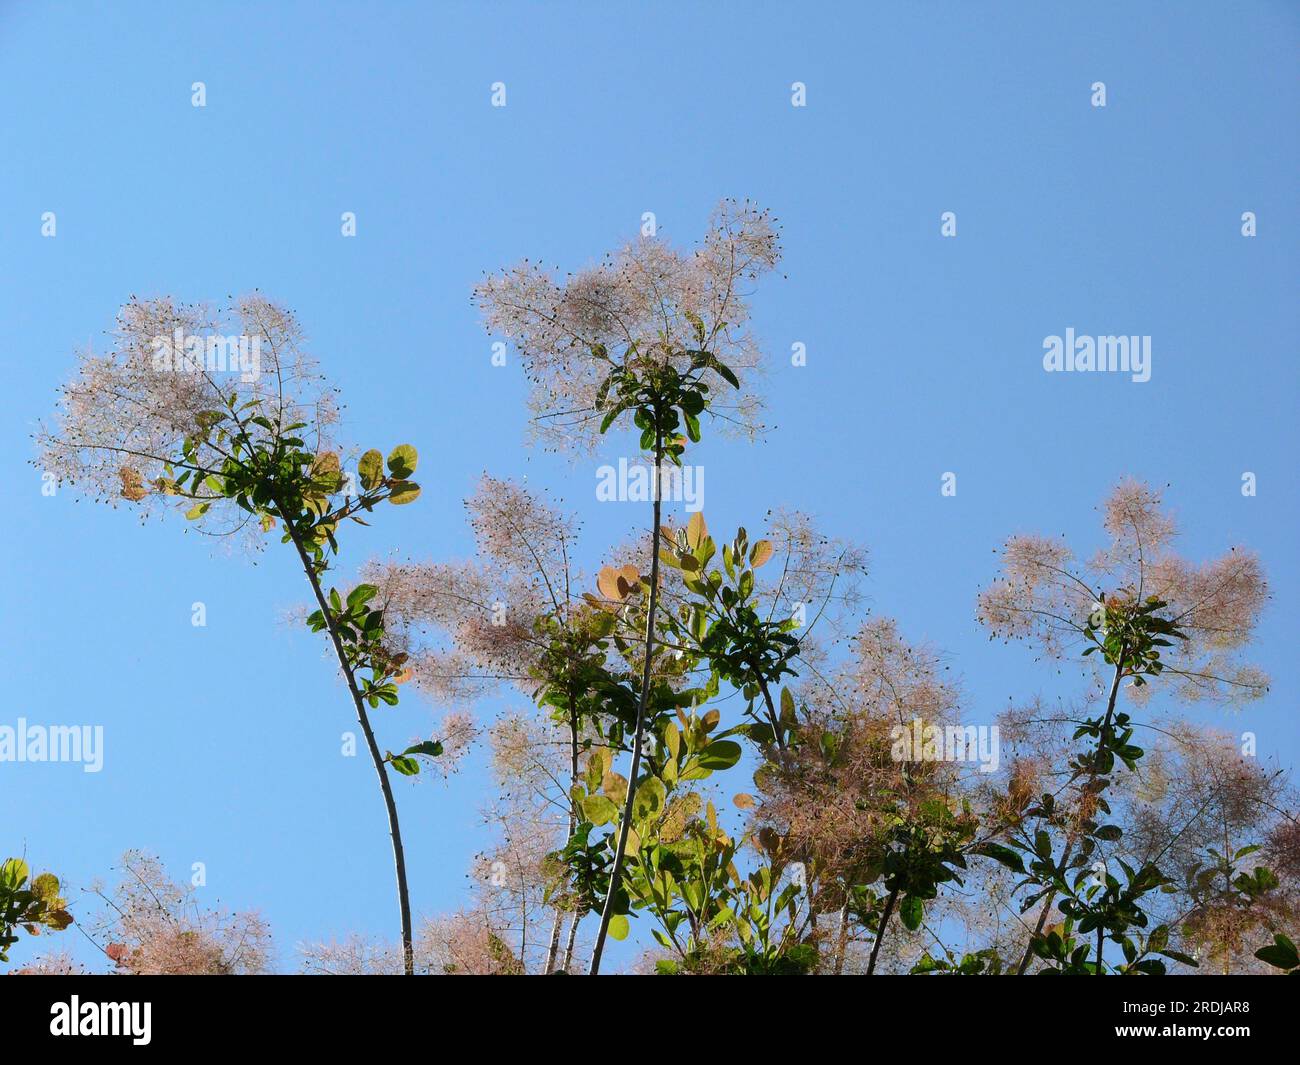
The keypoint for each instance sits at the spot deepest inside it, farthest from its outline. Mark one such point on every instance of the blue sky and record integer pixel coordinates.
(924, 353)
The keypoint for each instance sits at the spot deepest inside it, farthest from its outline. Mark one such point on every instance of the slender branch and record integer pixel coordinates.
(572, 811)
(616, 875)
(567, 966)
(399, 855)
(880, 936)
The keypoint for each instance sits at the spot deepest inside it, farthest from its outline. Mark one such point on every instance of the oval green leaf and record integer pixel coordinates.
(402, 460)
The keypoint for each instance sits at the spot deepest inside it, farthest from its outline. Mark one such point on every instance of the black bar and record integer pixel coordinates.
(303, 1013)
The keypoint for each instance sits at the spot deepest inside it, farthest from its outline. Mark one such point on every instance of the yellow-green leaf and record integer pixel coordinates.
(787, 707)
(672, 739)
(402, 460)
(46, 886)
(404, 492)
(650, 798)
(599, 810)
(13, 873)
(597, 765)
(371, 469)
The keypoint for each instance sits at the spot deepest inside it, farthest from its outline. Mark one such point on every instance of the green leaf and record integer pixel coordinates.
(1186, 959)
(720, 754)
(650, 798)
(406, 766)
(430, 748)
(360, 595)
(599, 809)
(46, 887)
(912, 911)
(14, 873)
(402, 460)
(1282, 954)
(371, 469)
(608, 420)
(693, 428)
(672, 740)
(404, 492)
(618, 926)
(1002, 854)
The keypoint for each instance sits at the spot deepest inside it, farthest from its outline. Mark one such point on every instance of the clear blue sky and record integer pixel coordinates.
(924, 353)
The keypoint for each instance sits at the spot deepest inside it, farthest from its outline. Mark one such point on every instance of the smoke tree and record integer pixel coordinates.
(646, 337)
(167, 420)
(1150, 618)
(1116, 840)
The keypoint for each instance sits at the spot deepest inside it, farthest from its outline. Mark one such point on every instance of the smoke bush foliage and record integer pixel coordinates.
(703, 740)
